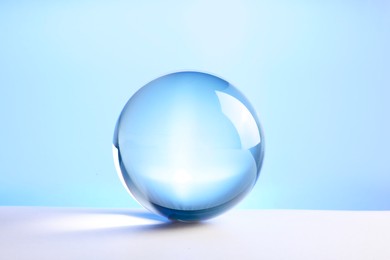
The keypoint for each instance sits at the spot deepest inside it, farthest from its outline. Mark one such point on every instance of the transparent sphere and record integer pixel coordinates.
(188, 146)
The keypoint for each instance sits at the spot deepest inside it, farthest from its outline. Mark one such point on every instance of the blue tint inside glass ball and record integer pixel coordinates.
(188, 146)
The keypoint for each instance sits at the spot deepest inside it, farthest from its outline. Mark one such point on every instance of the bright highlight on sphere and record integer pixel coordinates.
(188, 146)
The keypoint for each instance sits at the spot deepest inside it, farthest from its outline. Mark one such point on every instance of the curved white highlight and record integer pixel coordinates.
(242, 120)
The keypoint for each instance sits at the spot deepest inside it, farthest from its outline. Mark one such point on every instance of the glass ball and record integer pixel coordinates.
(188, 146)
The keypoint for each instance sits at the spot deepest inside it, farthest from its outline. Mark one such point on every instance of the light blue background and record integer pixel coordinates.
(318, 73)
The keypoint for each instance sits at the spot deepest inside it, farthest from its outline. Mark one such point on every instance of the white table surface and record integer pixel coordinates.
(69, 233)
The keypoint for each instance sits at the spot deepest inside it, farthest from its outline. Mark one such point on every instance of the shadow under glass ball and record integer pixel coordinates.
(188, 146)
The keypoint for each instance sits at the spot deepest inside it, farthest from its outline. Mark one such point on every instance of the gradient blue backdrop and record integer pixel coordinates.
(318, 73)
